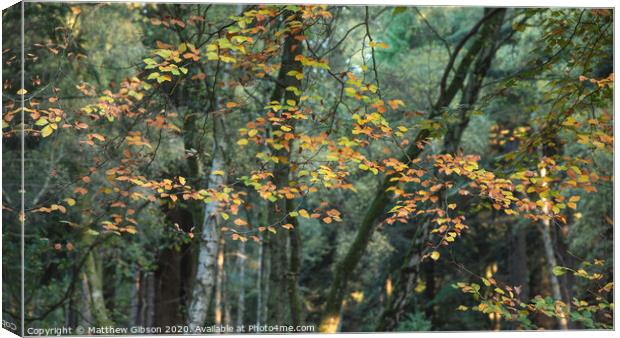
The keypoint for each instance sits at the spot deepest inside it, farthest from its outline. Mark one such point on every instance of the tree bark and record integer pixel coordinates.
(259, 282)
(219, 284)
(294, 268)
(135, 299)
(207, 246)
(241, 298)
(545, 230)
(551, 263)
(150, 300)
(280, 276)
(85, 303)
(95, 288)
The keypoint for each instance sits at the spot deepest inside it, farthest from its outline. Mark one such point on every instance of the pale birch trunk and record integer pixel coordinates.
(241, 300)
(219, 283)
(259, 280)
(207, 246)
(545, 230)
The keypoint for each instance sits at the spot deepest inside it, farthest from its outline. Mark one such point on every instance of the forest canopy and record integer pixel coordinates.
(319, 167)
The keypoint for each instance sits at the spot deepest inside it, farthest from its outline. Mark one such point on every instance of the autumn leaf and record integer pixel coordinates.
(47, 130)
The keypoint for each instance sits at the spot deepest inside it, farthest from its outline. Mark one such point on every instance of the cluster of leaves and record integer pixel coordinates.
(503, 301)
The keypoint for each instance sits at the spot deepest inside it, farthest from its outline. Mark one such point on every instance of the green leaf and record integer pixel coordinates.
(164, 53)
(41, 122)
(558, 270)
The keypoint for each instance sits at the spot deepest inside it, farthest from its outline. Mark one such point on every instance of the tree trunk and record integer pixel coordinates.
(168, 287)
(294, 268)
(135, 299)
(551, 263)
(95, 288)
(207, 246)
(241, 298)
(266, 281)
(545, 230)
(280, 275)
(85, 304)
(219, 284)
(259, 281)
(150, 300)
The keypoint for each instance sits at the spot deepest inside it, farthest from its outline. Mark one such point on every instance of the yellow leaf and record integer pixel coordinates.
(182, 180)
(242, 142)
(287, 226)
(70, 201)
(435, 255)
(22, 92)
(252, 132)
(218, 172)
(41, 122)
(304, 213)
(47, 130)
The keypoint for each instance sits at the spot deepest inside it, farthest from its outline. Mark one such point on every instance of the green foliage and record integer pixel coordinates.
(414, 322)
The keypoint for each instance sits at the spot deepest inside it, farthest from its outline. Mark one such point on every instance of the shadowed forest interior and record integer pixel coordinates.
(328, 168)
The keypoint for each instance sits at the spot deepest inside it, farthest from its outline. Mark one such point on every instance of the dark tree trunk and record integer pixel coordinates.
(280, 275)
